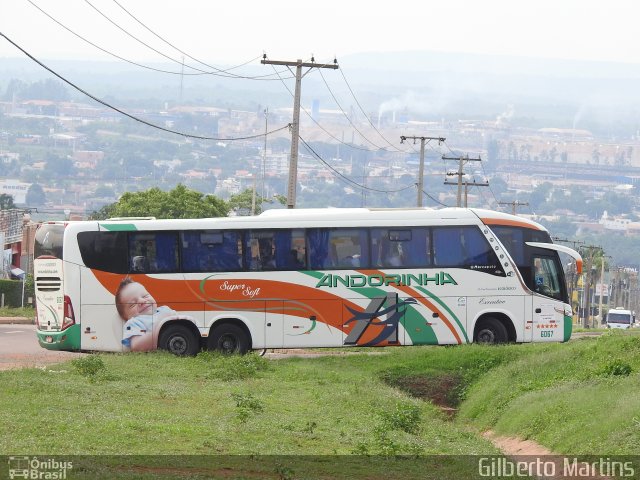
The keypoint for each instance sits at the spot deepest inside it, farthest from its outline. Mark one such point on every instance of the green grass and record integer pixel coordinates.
(28, 312)
(160, 404)
(577, 398)
(580, 398)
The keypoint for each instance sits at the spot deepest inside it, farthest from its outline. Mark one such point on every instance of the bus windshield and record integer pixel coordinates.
(48, 240)
(623, 318)
(540, 269)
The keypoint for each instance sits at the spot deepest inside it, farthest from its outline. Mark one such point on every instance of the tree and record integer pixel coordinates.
(6, 202)
(35, 195)
(180, 202)
(243, 201)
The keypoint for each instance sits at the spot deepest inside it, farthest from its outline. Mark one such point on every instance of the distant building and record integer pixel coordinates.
(15, 188)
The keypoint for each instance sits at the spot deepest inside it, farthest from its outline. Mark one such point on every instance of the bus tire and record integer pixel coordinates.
(490, 330)
(179, 340)
(228, 339)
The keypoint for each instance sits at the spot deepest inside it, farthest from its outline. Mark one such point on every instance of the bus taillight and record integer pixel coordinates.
(69, 317)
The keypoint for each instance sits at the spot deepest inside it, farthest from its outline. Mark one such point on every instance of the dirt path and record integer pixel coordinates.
(542, 463)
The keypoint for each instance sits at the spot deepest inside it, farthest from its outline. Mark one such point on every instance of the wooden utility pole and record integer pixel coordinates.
(466, 187)
(423, 142)
(514, 204)
(295, 125)
(460, 173)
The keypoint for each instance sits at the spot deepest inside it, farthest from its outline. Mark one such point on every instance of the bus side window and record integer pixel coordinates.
(105, 251)
(211, 251)
(447, 247)
(153, 252)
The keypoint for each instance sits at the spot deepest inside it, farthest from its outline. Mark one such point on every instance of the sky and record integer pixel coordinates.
(234, 32)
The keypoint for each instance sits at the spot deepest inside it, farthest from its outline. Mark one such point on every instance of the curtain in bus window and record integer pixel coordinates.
(417, 250)
(318, 242)
(153, 252)
(230, 255)
(211, 251)
(166, 252)
(282, 239)
(477, 249)
(447, 247)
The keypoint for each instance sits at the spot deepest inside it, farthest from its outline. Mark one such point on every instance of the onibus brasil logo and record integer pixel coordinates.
(38, 469)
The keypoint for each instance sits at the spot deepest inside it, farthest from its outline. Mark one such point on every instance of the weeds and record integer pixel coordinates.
(405, 417)
(246, 405)
(617, 368)
(90, 366)
(232, 367)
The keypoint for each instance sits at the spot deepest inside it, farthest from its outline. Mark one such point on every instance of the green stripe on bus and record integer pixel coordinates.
(568, 328)
(119, 227)
(415, 325)
(444, 305)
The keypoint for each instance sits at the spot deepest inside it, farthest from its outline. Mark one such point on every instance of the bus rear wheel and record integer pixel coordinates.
(491, 330)
(228, 339)
(179, 340)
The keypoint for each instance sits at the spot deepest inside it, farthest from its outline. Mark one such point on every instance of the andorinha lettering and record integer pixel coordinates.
(331, 280)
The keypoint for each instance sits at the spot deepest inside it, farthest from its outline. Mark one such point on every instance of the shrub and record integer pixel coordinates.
(89, 366)
(405, 417)
(246, 405)
(617, 368)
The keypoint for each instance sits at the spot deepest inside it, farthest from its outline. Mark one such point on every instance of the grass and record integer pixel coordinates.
(160, 404)
(578, 398)
(28, 312)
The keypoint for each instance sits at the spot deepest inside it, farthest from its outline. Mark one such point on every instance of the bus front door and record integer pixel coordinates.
(548, 315)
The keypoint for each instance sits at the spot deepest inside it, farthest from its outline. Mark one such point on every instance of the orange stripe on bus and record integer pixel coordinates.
(418, 296)
(510, 223)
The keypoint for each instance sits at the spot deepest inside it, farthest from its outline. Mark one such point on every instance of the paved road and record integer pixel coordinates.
(19, 348)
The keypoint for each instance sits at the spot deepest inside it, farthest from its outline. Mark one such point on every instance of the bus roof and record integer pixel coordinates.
(323, 217)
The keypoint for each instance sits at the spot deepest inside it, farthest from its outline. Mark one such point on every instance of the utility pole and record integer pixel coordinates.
(295, 125)
(466, 187)
(591, 249)
(423, 141)
(514, 204)
(460, 173)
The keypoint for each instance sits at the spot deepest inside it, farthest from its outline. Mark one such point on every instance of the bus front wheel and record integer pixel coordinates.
(179, 340)
(228, 339)
(491, 330)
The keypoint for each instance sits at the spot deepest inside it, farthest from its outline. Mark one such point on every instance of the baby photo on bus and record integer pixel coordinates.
(142, 316)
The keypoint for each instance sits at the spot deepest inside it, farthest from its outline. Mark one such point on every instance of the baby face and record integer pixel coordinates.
(137, 301)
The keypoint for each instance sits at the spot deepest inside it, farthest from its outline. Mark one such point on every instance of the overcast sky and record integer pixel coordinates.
(232, 32)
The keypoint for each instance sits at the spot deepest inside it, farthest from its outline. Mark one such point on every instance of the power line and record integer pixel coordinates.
(365, 114)
(317, 123)
(514, 205)
(344, 177)
(435, 199)
(137, 64)
(226, 70)
(122, 112)
(295, 124)
(423, 141)
(347, 116)
(462, 160)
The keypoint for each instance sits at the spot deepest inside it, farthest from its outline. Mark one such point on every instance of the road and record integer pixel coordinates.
(19, 348)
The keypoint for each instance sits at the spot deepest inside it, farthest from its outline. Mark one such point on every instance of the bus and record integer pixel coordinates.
(300, 278)
(620, 318)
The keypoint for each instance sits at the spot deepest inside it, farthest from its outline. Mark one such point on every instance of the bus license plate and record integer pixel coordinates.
(48, 339)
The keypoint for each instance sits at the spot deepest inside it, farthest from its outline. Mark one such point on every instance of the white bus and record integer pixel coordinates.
(620, 318)
(300, 278)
